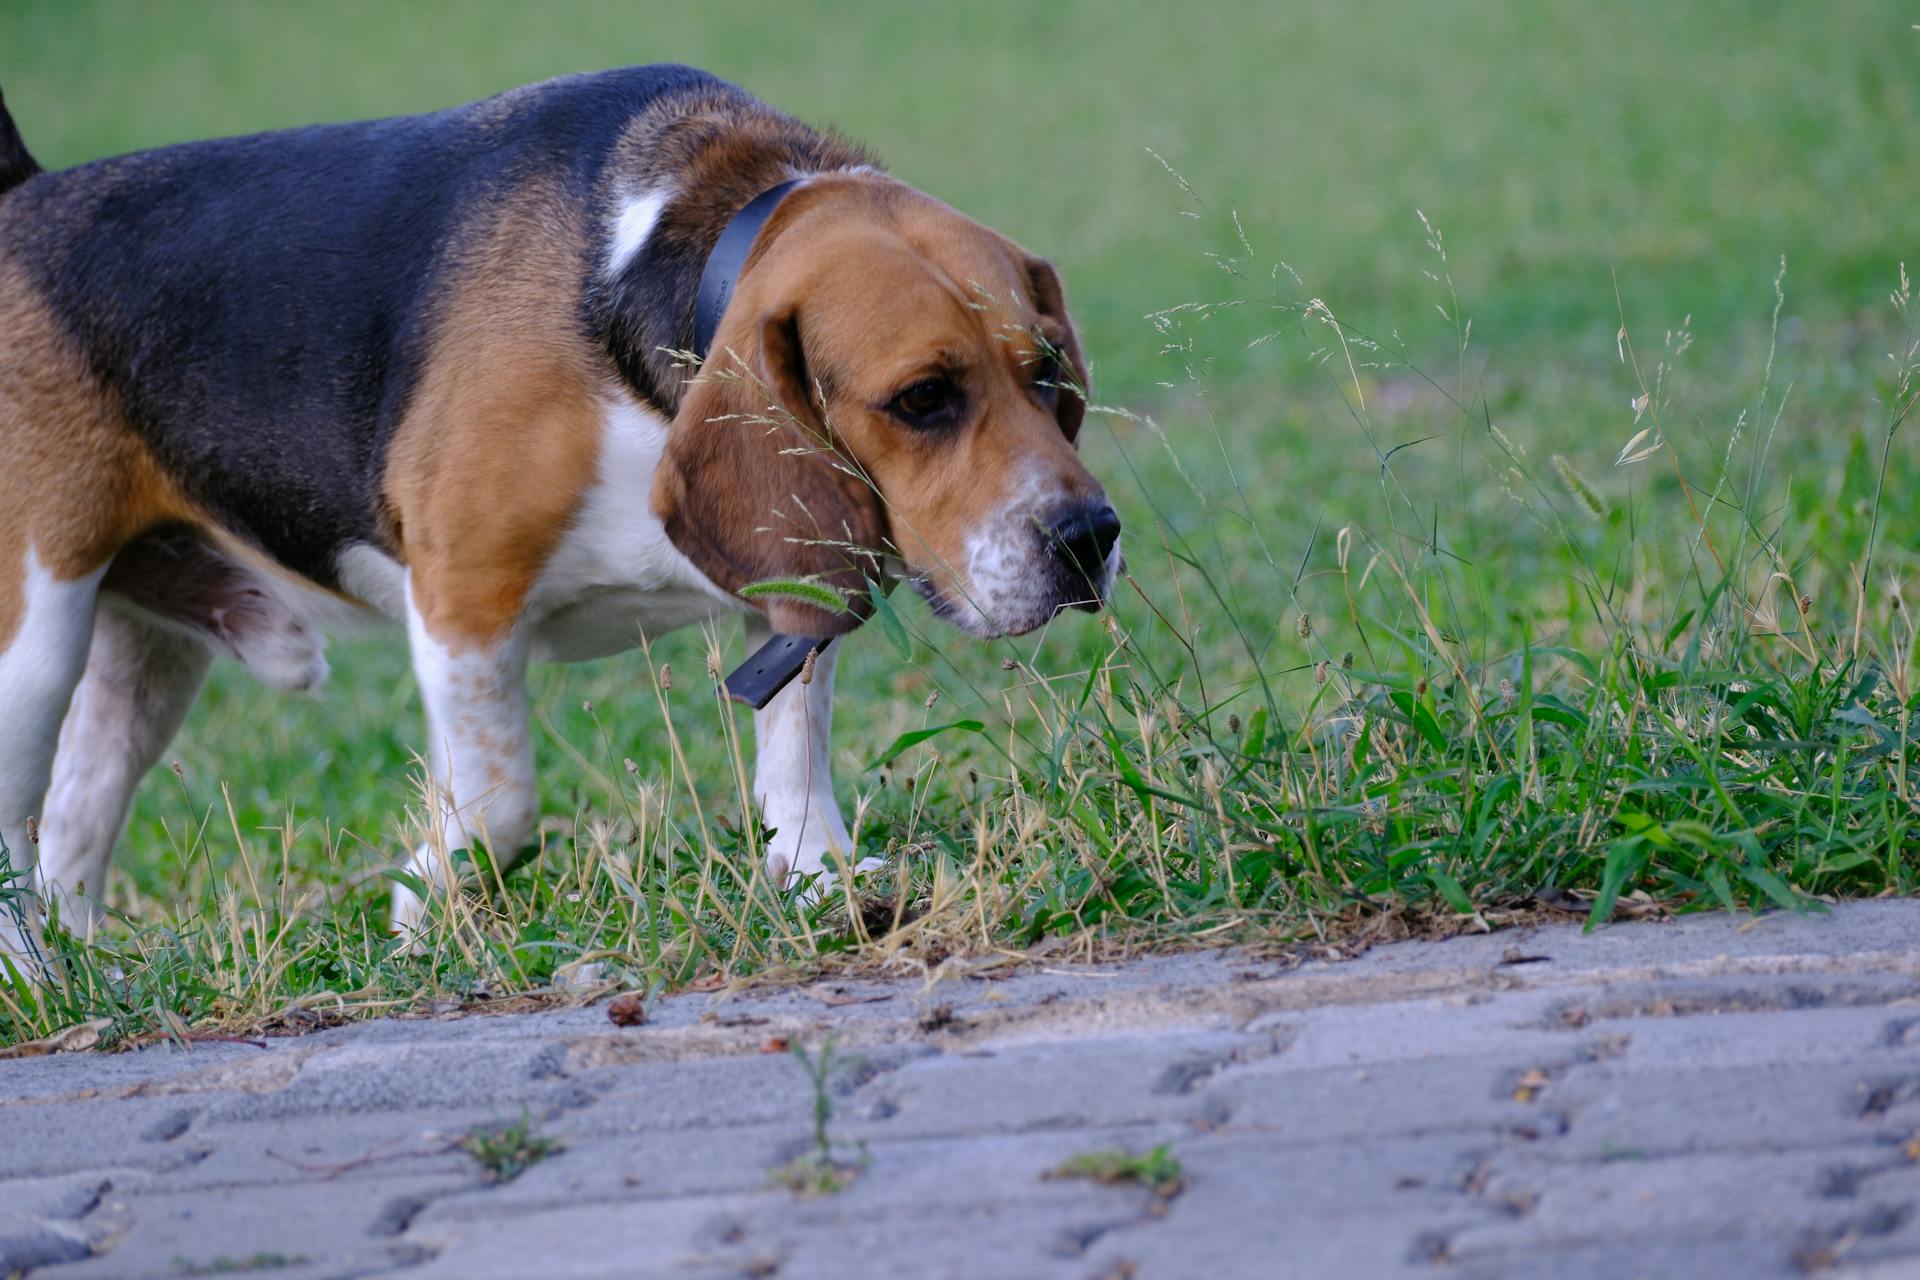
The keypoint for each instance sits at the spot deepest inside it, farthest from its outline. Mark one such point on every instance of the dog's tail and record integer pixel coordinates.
(16, 162)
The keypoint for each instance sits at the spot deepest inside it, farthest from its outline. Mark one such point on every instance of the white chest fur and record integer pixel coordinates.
(616, 576)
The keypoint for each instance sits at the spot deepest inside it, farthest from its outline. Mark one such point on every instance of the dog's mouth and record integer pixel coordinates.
(1052, 583)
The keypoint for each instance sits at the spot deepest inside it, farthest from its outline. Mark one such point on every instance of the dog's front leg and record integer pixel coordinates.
(478, 748)
(792, 777)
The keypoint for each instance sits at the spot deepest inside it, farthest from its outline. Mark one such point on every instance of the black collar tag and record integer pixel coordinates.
(772, 668)
(724, 264)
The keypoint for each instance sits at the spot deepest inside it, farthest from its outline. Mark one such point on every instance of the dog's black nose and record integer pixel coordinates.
(1085, 535)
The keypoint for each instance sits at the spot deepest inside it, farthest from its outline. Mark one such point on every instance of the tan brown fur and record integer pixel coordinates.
(76, 484)
(502, 437)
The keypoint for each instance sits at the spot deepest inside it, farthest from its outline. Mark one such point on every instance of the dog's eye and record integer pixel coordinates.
(930, 402)
(1048, 373)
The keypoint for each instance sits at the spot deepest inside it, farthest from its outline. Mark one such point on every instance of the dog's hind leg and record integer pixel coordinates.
(76, 485)
(479, 751)
(45, 626)
(140, 681)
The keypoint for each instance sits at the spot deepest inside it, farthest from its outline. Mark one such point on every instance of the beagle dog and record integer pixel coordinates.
(445, 369)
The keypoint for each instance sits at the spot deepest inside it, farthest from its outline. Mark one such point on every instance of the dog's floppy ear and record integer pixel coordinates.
(1050, 300)
(753, 485)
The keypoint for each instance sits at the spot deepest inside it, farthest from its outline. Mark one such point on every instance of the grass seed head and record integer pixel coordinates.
(1577, 487)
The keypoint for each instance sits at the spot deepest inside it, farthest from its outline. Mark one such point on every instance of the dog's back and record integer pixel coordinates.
(258, 308)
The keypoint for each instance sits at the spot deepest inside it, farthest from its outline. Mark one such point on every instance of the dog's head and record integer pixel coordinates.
(892, 384)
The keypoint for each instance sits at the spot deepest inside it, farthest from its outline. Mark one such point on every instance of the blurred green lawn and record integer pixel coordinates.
(1685, 145)
(1680, 149)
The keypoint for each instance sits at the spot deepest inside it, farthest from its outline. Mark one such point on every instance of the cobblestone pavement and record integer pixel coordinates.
(1715, 1097)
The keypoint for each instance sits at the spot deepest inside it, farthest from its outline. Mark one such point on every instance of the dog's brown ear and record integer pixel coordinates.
(1050, 300)
(753, 485)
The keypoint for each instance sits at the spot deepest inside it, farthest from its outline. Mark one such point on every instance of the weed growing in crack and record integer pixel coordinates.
(1158, 1170)
(819, 1171)
(504, 1152)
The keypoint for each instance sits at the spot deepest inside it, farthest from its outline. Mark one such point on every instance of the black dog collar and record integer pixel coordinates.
(724, 264)
(782, 658)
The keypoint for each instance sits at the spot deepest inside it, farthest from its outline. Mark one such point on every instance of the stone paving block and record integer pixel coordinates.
(372, 1076)
(55, 1075)
(372, 1144)
(1372, 1208)
(1562, 1207)
(475, 1024)
(1050, 1085)
(630, 1167)
(1647, 1109)
(698, 1094)
(591, 1242)
(1844, 1038)
(1901, 1268)
(332, 1226)
(1873, 1218)
(1707, 994)
(1644, 1257)
(61, 1137)
(43, 1220)
(1454, 1094)
(1394, 1030)
(978, 1205)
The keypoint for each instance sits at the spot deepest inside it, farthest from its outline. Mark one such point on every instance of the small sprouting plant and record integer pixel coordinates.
(1156, 1170)
(819, 1170)
(504, 1152)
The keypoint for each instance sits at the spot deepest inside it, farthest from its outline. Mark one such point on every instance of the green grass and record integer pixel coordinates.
(1401, 638)
(505, 1151)
(1158, 1170)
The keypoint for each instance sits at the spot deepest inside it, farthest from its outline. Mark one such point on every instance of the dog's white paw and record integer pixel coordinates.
(820, 881)
(408, 920)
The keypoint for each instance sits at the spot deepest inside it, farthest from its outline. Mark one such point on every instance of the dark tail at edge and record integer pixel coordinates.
(16, 162)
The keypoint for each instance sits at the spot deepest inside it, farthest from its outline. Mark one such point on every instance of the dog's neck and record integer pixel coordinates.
(711, 153)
